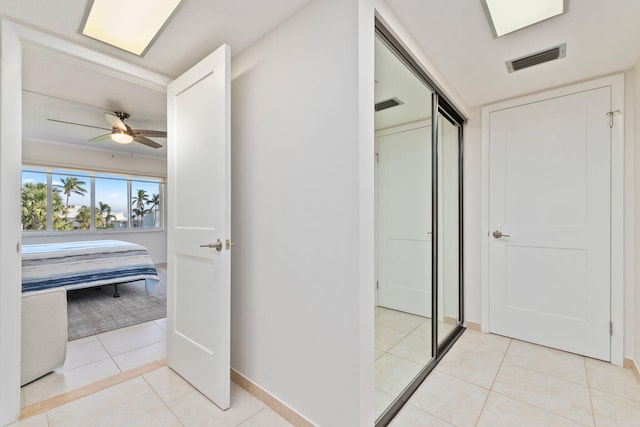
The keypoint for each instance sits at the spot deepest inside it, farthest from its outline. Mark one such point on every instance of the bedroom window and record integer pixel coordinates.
(35, 201)
(145, 204)
(111, 202)
(83, 201)
(75, 192)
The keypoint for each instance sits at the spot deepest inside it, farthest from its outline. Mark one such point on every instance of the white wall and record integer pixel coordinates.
(42, 153)
(635, 74)
(46, 153)
(472, 208)
(154, 241)
(302, 321)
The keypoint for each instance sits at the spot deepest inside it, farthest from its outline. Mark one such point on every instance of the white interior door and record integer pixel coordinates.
(550, 176)
(198, 193)
(404, 220)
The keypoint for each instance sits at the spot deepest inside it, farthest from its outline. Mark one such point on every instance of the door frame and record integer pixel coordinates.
(12, 37)
(618, 253)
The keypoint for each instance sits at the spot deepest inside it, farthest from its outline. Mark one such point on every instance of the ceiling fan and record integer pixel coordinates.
(121, 132)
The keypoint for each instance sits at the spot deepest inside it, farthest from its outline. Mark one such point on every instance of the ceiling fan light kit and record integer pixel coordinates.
(121, 132)
(121, 137)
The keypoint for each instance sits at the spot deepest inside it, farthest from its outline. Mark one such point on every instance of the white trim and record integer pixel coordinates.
(12, 37)
(10, 272)
(616, 82)
(92, 59)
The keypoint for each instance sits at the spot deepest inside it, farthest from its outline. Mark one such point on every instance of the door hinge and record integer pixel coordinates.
(610, 329)
(377, 285)
(610, 114)
(377, 157)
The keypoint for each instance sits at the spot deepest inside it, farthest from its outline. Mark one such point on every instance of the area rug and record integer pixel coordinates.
(94, 310)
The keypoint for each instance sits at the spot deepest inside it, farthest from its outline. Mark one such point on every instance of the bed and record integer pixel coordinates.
(77, 265)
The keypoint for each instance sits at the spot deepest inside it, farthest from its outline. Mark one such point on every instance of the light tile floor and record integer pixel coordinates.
(402, 349)
(489, 380)
(100, 356)
(160, 397)
(485, 380)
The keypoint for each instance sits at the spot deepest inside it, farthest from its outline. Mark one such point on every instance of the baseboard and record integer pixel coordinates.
(473, 326)
(631, 364)
(450, 320)
(272, 402)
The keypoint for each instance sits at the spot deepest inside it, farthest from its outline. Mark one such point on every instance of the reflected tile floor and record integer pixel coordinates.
(402, 349)
(489, 380)
(97, 357)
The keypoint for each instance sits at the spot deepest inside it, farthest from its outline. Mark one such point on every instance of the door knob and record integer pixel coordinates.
(498, 234)
(217, 245)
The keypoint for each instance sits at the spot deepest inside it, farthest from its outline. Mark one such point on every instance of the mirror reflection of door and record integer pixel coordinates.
(403, 226)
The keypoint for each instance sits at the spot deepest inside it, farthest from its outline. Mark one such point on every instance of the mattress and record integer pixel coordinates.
(77, 265)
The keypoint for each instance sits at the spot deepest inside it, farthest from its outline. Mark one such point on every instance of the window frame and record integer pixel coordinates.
(49, 171)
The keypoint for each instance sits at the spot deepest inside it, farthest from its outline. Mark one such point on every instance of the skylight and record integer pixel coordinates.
(128, 25)
(506, 16)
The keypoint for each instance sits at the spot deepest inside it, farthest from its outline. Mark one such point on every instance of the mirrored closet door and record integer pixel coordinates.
(418, 232)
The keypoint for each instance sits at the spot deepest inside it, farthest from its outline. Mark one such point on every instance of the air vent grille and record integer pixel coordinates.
(388, 103)
(547, 55)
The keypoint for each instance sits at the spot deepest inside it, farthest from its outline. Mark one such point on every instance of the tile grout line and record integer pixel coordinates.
(162, 400)
(484, 405)
(426, 412)
(539, 408)
(541, 373)
(252, 415)
(586, 372)
(73, 395)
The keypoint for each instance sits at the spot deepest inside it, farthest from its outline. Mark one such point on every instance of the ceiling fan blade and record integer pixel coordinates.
(146, 141)
(77, 124)
(151, 133)
(115, 121)
(101, 138)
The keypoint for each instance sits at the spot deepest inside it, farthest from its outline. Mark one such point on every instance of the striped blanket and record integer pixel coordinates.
(77, 265)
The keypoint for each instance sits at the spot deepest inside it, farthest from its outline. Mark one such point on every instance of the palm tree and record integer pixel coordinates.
(104, 213)
(71, 185)
(154, 201)
(83, 218)
(139, 203)
(34, 208)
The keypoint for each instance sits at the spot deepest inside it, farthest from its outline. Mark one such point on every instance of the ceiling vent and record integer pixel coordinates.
(388, 103)
(547, 55)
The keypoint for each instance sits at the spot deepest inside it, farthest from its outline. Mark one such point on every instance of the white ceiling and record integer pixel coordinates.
(601, 36)
(66, 89)
(197, 28)
(395, 80)
(61, 88)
